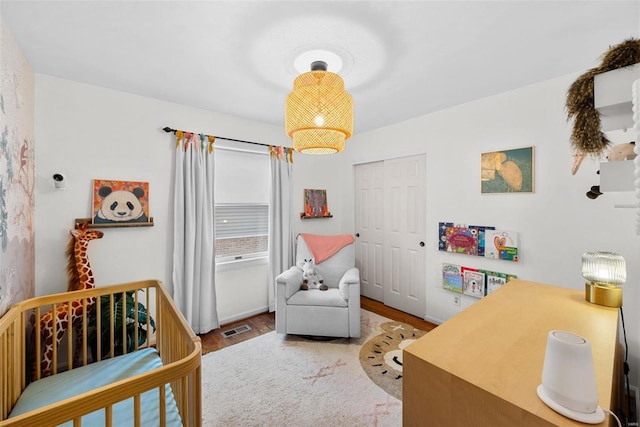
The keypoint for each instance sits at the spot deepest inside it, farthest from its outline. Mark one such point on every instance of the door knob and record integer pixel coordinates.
(357, 234)
(422, 244)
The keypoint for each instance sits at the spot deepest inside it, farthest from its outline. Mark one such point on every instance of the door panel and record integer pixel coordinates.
(390, 224)
(405, 289)
(394, 281)
(369, 180)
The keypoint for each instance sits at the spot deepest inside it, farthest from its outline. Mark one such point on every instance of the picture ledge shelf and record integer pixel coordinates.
(305, 216)
(80, 221)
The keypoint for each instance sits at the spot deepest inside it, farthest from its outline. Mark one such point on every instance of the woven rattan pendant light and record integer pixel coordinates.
(319, 112)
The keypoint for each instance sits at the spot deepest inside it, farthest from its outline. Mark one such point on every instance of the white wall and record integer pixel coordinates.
(242, 290)
(557, 223)
(88, 132)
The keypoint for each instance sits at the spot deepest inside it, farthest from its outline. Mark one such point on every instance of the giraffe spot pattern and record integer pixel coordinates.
(82, 238)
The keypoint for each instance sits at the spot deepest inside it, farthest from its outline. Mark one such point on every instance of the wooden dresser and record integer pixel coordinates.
(482, 367)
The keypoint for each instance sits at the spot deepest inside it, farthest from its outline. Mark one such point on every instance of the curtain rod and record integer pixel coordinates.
(170, 130)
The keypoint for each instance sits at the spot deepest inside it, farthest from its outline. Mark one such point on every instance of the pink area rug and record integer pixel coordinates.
(277, 380)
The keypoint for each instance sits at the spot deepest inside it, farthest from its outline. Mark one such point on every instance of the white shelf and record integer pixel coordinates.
(617, 176)
(612, 97)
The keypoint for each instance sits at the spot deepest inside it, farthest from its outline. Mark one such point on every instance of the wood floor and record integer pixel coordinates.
(266, 322)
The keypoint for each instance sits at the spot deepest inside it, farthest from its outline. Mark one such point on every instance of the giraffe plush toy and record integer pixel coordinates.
(80, 277)
(311, 278)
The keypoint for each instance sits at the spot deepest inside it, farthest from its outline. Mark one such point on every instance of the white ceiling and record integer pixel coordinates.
(401, 59)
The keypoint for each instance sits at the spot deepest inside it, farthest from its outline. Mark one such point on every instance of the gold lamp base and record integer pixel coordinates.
(607, 295)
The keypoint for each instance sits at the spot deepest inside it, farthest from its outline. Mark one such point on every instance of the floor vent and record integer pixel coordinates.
(235, 331)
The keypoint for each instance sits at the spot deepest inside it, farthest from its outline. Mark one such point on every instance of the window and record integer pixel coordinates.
(242, 231)
(242, 185)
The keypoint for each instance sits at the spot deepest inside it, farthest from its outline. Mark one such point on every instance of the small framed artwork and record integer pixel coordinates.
(120, 202)
(507, 171)
(315, 204)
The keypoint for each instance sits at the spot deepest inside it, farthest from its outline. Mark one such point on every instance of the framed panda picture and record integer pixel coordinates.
(120, 202)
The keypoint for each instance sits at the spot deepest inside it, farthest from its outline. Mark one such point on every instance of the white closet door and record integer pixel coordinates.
(369, 178)
(390, 229)
(405, 233)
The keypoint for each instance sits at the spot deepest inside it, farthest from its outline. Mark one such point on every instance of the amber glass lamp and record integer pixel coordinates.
(604, 272)
(319, 112)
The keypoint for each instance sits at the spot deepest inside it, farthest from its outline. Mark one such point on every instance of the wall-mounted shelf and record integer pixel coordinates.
(617, 176)
(612, 97)
(304, 216)
(79, 221)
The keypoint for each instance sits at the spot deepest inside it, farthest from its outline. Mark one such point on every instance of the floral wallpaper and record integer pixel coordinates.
(17, 175)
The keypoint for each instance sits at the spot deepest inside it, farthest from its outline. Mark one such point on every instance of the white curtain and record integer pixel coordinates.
(281, 239)
(194, 251)
(636, 119)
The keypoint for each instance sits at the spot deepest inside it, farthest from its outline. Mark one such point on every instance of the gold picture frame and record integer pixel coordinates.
(507, 171)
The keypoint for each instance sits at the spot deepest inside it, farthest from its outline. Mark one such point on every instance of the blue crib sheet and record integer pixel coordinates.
(67, 384)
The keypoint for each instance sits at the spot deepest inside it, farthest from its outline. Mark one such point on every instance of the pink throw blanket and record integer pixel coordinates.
(323, 246)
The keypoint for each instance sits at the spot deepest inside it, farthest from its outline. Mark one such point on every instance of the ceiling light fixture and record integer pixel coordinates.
(333, 60)
(319, 112)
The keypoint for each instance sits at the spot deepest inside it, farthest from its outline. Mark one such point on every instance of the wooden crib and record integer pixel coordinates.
(167, 393)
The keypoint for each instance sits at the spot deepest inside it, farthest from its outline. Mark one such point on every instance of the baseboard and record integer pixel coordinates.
(433, 320)
(244, 315)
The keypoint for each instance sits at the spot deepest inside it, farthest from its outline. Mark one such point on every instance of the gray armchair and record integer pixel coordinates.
(331, 313)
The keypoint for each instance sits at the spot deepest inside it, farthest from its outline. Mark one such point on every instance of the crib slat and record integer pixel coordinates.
(196, 397)
(184, 401)
(69, 338)
(159, 321)
(162, 404)
(85, 343)
(111, 326)
(136, 322)
(98, 329)
(124, 323)
(77, 422)
(108, 416)
(8, 392)
(4, 387)
(54, 363)
(16, 364)
(20, 353)
(38, 336)
(136, 410)
(149, 331)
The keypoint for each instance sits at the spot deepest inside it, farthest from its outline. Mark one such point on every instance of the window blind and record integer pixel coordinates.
(241, 220)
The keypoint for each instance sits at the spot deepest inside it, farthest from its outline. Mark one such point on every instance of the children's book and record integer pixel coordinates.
(473, 283)
(495, 280)
(500, 244)
(442, 235)
(479, 231)
(452, 277)
(462, 240)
